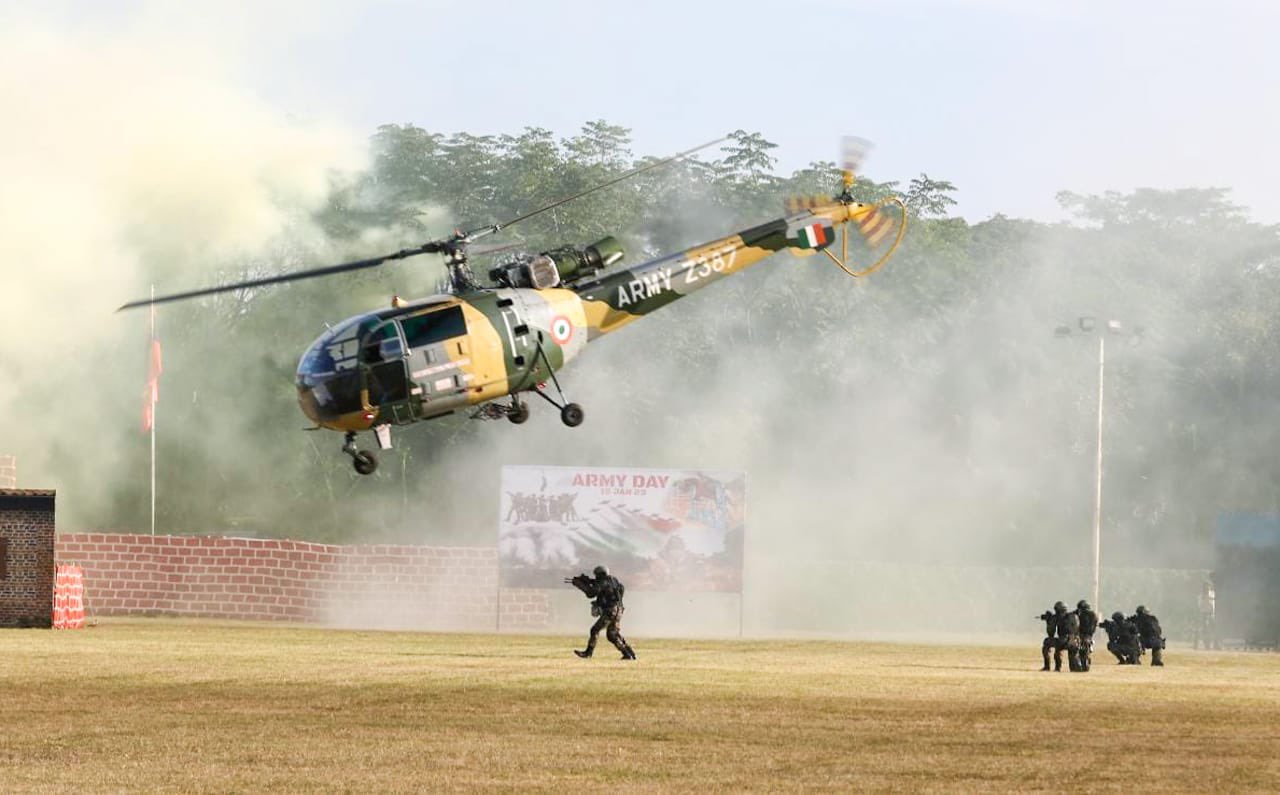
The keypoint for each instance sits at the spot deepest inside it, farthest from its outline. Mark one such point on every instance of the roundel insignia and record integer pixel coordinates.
(561, 329)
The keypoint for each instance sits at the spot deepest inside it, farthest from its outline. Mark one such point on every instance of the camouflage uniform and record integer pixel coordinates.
(1150, 634)
(1088, 625)
(1050, 630)
(1063, 630)
(606, 593)
(1122, 639)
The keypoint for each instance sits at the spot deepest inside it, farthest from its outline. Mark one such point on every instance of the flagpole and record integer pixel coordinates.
(150, 356)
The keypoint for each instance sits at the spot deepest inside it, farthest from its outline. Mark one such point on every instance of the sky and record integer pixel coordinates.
(1011, 100)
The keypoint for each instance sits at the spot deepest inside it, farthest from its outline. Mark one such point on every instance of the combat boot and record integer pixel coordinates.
(586, 653)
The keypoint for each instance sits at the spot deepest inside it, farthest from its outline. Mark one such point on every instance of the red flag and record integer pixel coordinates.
(152, 393)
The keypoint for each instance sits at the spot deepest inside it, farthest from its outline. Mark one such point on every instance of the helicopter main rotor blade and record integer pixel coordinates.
(455, 243)
(488, 230)
(426, 248)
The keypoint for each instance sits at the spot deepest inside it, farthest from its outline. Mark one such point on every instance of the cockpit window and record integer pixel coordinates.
(382, 344)
(334, 352)
(434, 327)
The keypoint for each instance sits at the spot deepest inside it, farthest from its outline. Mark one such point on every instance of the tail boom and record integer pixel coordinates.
(616, 298)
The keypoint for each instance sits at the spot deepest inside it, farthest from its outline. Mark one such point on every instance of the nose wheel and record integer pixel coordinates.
(364, 461)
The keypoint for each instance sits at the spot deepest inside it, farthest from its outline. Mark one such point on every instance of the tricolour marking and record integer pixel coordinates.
(561, 330)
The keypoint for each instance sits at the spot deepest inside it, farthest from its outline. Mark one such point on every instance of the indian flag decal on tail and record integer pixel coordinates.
(812, 235)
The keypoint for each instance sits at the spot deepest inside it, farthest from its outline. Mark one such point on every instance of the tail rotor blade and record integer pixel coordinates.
(853, 152)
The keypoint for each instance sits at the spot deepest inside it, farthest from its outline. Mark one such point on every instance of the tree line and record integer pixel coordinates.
(940, 378)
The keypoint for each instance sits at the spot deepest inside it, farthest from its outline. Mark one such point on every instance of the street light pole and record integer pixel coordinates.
(1097, 499)
(1089, 325)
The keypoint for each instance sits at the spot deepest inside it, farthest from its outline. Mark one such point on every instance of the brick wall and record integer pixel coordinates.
(380, 586)
(26, 573)
(525, 609)
(8, 472)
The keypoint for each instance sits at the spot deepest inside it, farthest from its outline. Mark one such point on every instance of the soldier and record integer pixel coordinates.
(606, 593)
(1207, 631)
(1062, 631)
(1122, 639)
(1050, 620)
(1068, 639)
(1149, 633)
(1088, 626)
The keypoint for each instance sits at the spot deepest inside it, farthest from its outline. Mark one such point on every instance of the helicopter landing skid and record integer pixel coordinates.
(364, 461)
(570, 413)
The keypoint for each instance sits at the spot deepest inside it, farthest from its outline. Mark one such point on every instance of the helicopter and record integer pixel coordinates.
(476, 344)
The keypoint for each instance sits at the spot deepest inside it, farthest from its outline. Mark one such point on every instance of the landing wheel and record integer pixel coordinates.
(519, 413)
(365, 462)
(571, 415)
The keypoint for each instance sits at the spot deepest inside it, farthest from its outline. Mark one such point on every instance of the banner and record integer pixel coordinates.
(656, 529)
(68, 598)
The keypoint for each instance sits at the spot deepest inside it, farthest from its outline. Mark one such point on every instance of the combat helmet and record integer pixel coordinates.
(1083, 604)
(1059, 607)
(1117, 616)
(601, 571)
(1142, 610)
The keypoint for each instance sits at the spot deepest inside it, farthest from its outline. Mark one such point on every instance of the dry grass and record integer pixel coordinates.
(162, 705)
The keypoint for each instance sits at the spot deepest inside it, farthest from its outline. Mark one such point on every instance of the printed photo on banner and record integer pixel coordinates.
(656, 529)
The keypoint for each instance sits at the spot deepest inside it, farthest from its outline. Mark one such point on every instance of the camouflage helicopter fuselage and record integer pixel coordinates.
(432, 357)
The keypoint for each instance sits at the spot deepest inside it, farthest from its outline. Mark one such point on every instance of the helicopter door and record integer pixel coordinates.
(385, 374)
(439, 358)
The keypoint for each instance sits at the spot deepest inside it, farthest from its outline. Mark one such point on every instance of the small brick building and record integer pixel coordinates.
(26, 557)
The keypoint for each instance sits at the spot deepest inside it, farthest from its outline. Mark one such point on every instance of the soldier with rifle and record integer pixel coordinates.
(1149, 634)
(1088, 625)
(1122, 639)
(605, 591)
(1062, 633)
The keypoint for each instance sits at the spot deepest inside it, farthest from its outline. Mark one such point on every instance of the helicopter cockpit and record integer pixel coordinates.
(360, 363)
(329, 375)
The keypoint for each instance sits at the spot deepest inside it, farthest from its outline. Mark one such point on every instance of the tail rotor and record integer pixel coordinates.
(880, 225)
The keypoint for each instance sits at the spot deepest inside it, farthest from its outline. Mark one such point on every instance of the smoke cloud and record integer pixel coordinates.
(129, 157)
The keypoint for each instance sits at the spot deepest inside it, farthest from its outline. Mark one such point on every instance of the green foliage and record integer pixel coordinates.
(953, 342)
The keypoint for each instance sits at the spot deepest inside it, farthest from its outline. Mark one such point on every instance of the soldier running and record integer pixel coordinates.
(606, 592)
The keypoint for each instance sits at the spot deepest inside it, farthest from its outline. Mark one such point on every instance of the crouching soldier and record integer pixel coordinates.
(1062, 631)
(1122, 639)
(1050, 620)
(1088, 626)
(1150, 634)
(605, 592)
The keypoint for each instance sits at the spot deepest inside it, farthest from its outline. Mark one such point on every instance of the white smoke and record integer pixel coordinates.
(127, 157)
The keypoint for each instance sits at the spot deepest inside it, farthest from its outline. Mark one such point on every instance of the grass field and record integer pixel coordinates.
(165, 705)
